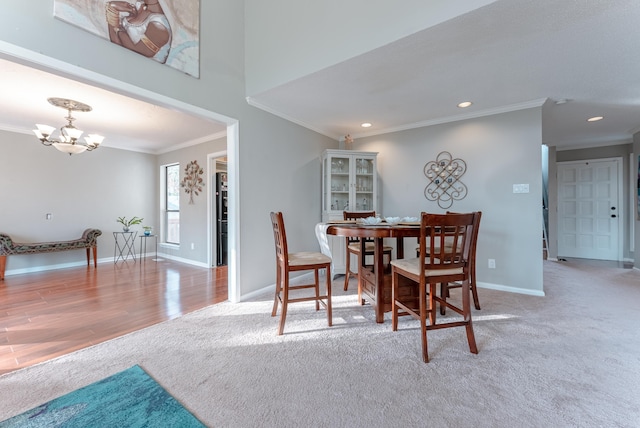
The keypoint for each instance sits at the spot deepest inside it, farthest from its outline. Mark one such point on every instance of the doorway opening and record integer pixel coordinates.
(74, 73)
(219, 209)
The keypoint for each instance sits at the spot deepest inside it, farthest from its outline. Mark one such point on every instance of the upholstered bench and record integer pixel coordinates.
(89, 240)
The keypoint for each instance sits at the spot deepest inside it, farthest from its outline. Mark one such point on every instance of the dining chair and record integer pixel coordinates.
(353, 247)
(444, 288)
(286, 263)
(440, 264)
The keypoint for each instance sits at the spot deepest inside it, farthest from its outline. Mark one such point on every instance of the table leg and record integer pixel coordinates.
(378, 269)
(363, 262)
(400, 248)
(122, 252)
(132, 247)
(3, 265)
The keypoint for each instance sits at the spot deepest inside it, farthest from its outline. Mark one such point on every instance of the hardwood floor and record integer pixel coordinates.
(47, 314)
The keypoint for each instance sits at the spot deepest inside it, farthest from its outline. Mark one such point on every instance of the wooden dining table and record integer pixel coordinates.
(375, 280)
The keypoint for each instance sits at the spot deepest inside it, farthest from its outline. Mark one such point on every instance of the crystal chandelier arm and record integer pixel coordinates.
(39, 135)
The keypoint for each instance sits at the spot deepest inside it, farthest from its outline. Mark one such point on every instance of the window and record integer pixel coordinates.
(172, 204)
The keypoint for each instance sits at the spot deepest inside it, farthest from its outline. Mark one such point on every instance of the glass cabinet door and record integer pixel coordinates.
(363, 184)
(340, 183)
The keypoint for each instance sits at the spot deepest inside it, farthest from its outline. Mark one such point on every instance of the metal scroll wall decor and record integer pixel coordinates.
(444, 180)
(192, 181)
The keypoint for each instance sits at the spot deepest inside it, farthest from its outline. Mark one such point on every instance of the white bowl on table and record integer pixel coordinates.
(371, 220)
(410, 219)
(392, 220)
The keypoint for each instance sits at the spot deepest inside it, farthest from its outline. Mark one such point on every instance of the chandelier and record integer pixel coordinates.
(68, 140)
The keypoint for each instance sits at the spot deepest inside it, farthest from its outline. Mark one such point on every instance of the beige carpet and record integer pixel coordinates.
(570, 359)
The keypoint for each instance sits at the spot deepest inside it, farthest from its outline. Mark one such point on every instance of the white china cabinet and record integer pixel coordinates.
(349, 183)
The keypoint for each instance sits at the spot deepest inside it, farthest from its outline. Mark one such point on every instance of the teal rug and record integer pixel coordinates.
(127, 399)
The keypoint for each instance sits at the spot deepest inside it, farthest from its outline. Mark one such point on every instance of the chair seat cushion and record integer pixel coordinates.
(368, 247)
(307, 258)
(413, 267)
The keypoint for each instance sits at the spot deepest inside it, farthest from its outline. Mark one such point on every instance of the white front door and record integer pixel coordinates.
(589, 211)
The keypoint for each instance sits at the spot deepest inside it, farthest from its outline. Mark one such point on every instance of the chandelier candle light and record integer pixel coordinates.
(68, 141)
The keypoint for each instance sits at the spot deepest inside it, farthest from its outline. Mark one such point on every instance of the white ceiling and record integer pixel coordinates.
(126, 123)
(507, 55)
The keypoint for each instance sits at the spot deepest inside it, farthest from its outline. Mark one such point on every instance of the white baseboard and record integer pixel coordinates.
(103, 260)
(510, 289)
(269, 289)
(45, 268)
(499, 287)
(182, 260)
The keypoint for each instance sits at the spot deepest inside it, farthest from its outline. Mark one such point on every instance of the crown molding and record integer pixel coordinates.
(465, 116)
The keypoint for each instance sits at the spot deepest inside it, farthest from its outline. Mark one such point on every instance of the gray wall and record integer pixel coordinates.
(500, 151)
(193, 217)
(332, 30)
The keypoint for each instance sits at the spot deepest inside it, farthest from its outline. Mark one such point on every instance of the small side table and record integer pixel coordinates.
(143, 238)
(124, 246)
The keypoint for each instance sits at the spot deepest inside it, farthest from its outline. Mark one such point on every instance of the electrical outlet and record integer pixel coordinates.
(193, 246)
(492, 263)
(48, 216)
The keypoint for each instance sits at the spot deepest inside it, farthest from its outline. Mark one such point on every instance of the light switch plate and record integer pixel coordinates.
(520, 188)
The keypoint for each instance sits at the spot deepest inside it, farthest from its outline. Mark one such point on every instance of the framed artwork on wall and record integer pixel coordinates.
(163, 30)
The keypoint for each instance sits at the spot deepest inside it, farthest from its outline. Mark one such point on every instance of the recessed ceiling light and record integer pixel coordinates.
(595, 118)
(366, 125)
(465, 104)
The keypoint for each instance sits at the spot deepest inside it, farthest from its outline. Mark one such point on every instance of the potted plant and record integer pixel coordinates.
(126, 224)
(147, 230)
